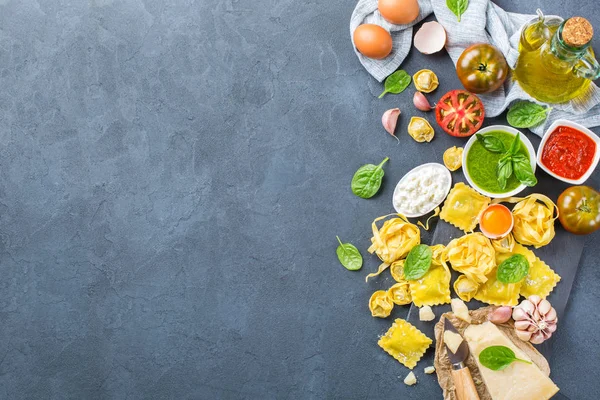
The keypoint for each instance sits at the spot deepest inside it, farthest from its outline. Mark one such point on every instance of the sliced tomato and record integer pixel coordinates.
(460, 113)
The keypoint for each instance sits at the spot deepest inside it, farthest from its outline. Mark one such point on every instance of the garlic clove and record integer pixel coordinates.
(389, 119)
(551, 315)
(523, 335)
(500, 315)
(551, 328)
(537, 338)
(519, 314)
(527, 306)
(544, 307)
(534, 299)
(421, 102)
(523, 325)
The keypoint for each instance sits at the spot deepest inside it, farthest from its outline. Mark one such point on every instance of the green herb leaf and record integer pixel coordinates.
(491, 143)
(504, 171)
(515, 145)
(396, 82)
(349, 256)
(523, 171)
(417, 262)
(525, 114)
(513, 269)
(498, 357)
(367, 180)
(458, 7)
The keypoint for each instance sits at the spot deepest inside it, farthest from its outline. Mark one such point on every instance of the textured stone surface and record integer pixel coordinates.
(172, 178)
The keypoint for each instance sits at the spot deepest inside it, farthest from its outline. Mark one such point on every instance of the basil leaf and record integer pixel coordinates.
(515, 146)
(526, 114)
(523, 171)
(367, 180)
(396, 82)
(417, 262)
(349, 256)
(504, 171)
(458, 7)
(513, 269)
(491, 143)
(498, 357)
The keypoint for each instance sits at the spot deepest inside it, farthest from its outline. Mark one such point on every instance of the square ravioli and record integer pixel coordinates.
(541, 280)
(433, 288)
(405, 343)
(462, 207)
(497, 293)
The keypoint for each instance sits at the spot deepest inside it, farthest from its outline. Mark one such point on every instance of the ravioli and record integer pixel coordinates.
(381, 304)
(393, 241)
(541, 280)
(472, 255)
(497, 293)
(400, 293)
(462, 207)
(434, 287)
(465, 288)
(405, 343)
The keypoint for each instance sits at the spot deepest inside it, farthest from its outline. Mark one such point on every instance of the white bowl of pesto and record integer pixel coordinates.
(480, 165)
(422, 189)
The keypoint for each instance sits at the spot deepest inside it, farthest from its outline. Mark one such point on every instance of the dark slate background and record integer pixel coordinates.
(172, 178)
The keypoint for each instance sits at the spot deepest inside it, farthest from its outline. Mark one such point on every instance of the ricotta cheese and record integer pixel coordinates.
(421, 190)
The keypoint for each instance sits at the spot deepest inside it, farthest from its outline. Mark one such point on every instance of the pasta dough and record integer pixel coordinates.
(472, 255)
(462, 207)
(393, 241)
(405, 343)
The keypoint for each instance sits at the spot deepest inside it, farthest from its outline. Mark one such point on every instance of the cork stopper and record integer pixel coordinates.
(577, 32)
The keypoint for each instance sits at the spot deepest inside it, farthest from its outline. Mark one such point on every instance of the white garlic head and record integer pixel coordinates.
(535, 320)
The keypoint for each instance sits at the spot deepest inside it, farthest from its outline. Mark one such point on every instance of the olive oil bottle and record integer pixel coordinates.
(556, 62)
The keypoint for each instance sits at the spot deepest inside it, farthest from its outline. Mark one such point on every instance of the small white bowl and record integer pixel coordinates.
(512, 131)
(442, 169)
(582, 129)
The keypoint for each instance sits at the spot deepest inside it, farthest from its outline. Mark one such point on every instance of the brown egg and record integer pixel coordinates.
(373, 41)
(399, 12)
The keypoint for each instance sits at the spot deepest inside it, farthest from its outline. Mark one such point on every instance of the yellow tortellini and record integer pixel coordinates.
(472, 255)
(504, 245)
(462, 207)
(465, 288)
(393, 241)
(426, 80)
(453, 158)
(400, 293)
(420, 129)
(381, 304)
(397, 270)
(405, 343)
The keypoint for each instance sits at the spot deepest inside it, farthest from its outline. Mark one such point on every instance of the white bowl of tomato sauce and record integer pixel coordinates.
(569, 152)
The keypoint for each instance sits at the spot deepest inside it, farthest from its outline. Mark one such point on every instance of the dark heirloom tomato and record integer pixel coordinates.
(579, 210)
(459, 113)
(481, 68)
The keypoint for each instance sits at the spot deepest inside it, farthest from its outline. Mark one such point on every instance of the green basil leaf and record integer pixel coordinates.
(504, 171)
(367, 180)
(458, 7)
(491, 143)
(515, 146)
(417, 262)
(523, 171)
(396, 82)
(513, 269)
(349, 256)
(526, 114)
(498, 357)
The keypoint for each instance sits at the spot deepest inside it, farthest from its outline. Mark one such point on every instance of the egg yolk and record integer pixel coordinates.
(496, 220)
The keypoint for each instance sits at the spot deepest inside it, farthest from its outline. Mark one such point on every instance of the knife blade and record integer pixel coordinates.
(463, 381)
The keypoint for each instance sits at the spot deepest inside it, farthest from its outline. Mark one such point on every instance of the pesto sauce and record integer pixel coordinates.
(482, 164)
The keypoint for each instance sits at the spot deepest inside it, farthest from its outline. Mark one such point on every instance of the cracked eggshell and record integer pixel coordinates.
(430, 38)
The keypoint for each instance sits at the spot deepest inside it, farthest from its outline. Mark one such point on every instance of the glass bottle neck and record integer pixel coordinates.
(562, 50)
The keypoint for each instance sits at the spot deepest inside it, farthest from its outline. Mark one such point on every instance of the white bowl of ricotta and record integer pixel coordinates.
(422, 189)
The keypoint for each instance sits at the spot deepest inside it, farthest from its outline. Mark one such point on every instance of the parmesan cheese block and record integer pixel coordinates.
(426, 314)
(459, 308)
(452, 340)
(410, 379)
(518, 381)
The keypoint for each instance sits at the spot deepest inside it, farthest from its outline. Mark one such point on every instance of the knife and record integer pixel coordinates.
(463, 381)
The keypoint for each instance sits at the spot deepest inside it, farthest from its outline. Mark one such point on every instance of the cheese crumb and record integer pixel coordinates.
(410, 379)
(426, 314)
(429, 370)
(460, 310)
(452, 340)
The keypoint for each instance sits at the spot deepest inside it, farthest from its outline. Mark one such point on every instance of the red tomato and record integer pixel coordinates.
(579, 210)
(459, 113)
(482, 68)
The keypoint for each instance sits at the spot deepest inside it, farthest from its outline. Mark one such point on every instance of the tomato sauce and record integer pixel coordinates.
(568, 152)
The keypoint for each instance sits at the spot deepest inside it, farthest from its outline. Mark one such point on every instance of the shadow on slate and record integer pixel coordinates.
(562, 255)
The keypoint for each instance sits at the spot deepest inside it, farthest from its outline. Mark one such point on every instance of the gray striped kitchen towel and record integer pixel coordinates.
(499, 27)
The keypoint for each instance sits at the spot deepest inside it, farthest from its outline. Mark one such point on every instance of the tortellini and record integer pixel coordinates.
(420, 129)
(462, 207)
(405, 343)
(393, 241)
(453, 158)
(472, 255)
(400, 293)
(465, 288)
(381, 304)
(426, 80)
(397, 270)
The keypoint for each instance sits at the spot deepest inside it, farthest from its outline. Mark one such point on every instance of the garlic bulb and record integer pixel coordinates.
(535, 320)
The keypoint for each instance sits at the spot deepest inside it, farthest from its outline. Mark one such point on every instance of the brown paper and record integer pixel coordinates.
(442, 365)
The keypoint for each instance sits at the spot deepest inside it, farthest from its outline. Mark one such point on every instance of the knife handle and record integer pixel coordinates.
(464, 385)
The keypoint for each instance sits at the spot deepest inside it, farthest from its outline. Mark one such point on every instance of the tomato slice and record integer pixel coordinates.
(460, 113)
